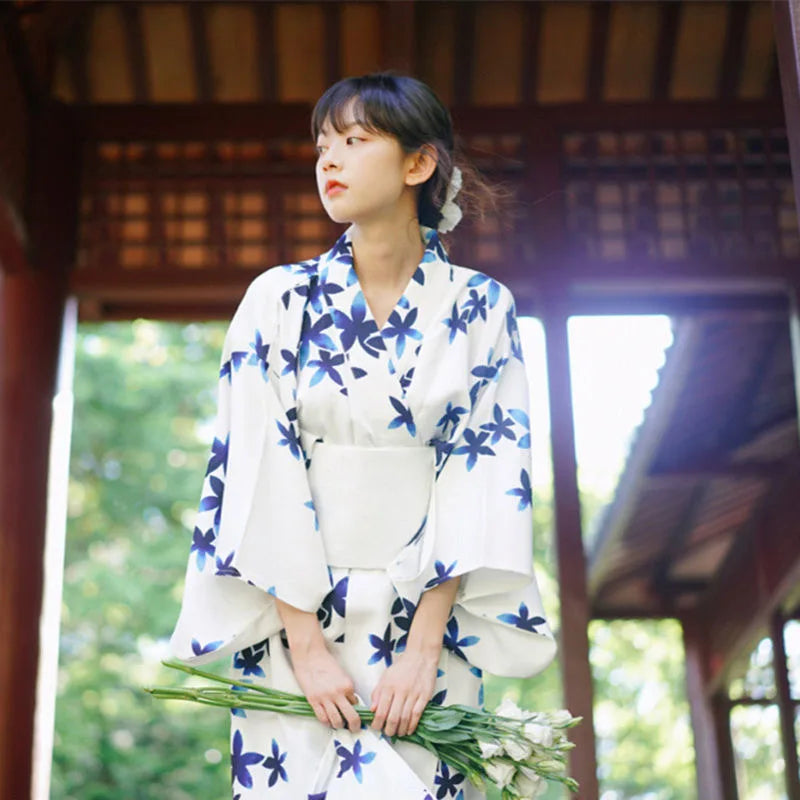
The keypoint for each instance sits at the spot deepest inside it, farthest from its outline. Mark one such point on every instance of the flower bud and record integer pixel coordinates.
(500, 772)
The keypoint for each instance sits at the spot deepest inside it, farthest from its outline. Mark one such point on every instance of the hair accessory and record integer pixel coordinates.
(451, 213)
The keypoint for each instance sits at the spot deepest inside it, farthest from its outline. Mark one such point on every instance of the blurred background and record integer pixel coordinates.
(155, 157)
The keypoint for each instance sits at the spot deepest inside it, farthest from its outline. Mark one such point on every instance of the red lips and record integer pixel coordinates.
(329, 185)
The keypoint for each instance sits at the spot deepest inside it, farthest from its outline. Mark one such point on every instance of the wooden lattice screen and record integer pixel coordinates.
(154, 212)
(679, 194)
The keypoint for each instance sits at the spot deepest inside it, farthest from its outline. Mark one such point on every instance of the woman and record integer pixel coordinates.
(364, 533)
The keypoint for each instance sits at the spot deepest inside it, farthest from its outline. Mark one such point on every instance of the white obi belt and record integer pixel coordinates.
(370, 501)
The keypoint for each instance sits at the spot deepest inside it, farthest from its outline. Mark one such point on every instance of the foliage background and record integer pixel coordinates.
(144, 401)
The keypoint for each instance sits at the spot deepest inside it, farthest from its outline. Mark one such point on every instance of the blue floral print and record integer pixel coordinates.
(523, 491)
(384, 646)
(241, 762)
(447, 781)
(473, 447)
(404, 416)
(353, 760)
(452, 641)
(401, 329)
(274, 764)
(203, 545)
(219, 455)
(259, 354)
(522, 620)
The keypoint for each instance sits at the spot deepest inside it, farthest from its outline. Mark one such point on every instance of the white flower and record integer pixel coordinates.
(517, 750)
(508, 708)
(560, 718)
(528, 784)
(500, 772)
(539, 734)
(451, 213)
(490, 749)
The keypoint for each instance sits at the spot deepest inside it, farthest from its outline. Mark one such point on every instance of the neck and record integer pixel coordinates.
(386, 254)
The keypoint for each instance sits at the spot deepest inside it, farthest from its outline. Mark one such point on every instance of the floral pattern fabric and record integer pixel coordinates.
(304, 362)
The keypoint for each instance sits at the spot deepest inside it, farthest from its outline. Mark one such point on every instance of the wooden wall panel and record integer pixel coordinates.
(231, 33)
(698, 51)
(301, 51)
(563, 52)
(497, 65)
(436, 47)
(108, 64)
(13, 132)
(361, 38)
(168, 47)
(759, 50)
(632, 47)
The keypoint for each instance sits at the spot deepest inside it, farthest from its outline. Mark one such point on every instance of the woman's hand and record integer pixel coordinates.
(404, 690)
(327, 687)
(325, 684)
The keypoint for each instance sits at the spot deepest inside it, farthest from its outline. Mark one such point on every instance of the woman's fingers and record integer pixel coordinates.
(406, 716)
(393, 715)
(334, 716)
(384, 700)
(416, 713)
(319, 711)
(350, 714)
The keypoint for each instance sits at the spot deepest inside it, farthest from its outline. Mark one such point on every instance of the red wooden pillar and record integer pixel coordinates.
(31, 308)
(714, 765)
(574, 656)
(786, 707)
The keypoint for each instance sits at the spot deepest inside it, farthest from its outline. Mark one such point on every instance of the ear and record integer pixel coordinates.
(421, 165)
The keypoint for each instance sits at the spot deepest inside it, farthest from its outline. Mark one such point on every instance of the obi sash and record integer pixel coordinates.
(370, 501)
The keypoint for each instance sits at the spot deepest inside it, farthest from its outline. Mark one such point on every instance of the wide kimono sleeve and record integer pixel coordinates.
(480, 523)
(255, 536)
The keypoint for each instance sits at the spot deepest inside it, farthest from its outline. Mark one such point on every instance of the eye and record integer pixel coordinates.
(357, 138)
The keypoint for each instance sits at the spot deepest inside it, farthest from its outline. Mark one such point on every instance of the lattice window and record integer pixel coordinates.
(679, 194)
(199, 205)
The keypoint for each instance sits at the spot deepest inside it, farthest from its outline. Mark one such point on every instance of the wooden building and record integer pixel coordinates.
(154, 157)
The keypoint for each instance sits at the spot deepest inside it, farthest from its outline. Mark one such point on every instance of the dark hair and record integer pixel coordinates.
(408, 109)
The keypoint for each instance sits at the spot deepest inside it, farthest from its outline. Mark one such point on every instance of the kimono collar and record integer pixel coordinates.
(341, 255)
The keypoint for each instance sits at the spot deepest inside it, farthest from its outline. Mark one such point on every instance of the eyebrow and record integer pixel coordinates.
(324, 131)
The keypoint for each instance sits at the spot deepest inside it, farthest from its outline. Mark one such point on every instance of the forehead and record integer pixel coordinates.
(345, 116)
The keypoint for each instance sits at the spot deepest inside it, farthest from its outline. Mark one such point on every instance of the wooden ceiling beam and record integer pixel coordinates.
(531, 35)
(595, 79)
(759, 572)
(198, 28)
(677, 536)
(465, 53)
(21, 57)
(76, 53)
(665, 51)
(398, 45)
(717, 470)
(134, 43)
(333, 42)
(733, 53)
(122, 122)
(267, 51)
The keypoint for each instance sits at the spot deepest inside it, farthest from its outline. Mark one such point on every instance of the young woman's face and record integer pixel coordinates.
(361, 175)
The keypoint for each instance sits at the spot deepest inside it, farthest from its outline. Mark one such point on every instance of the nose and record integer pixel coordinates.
(330, 158)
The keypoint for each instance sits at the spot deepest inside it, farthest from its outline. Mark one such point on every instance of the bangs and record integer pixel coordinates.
(375, 107)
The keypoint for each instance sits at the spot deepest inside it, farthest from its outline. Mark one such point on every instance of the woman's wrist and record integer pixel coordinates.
(433, 610)
(303, 630)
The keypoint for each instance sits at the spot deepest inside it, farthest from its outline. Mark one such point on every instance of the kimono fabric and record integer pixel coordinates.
(354, 468)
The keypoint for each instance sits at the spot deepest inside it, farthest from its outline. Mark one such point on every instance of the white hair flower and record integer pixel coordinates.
(451, 213)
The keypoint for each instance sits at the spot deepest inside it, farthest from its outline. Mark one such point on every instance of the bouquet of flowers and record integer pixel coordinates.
(517, 750)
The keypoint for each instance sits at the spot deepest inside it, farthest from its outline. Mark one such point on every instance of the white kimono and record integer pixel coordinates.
(353, 469)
